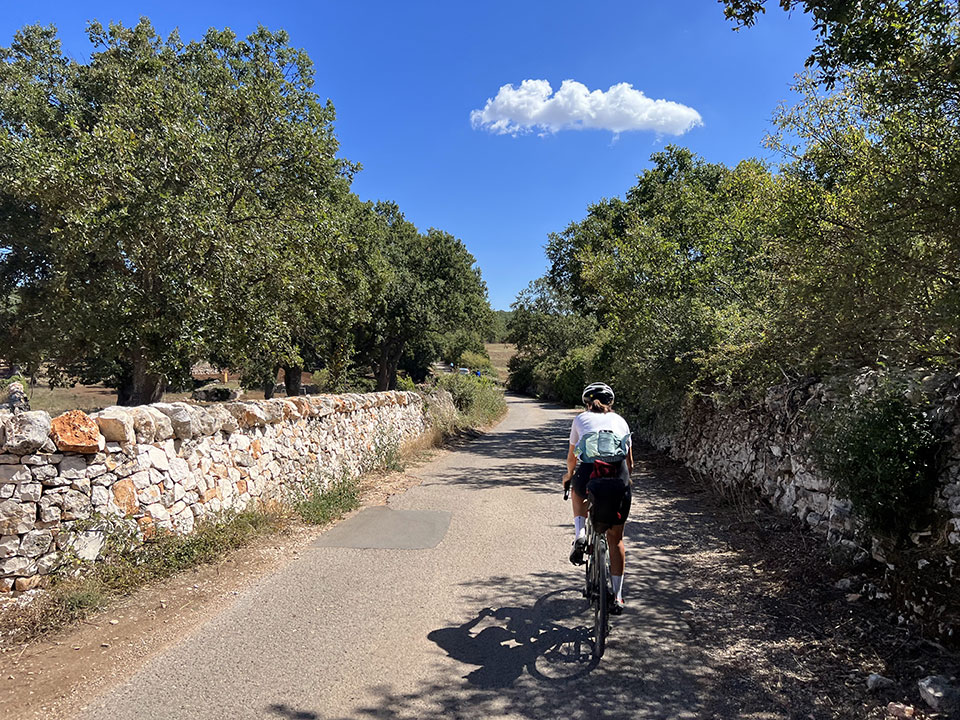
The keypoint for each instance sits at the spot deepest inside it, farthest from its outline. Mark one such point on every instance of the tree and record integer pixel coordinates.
(431, 287)
(914, 41)
(153, 199)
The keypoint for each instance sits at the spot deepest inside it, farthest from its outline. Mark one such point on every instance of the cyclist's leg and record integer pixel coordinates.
(617, 549)
(615, 541)
(578, 497)
(578, 500)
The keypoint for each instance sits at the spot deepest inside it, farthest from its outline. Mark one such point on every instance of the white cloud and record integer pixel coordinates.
(534, 106)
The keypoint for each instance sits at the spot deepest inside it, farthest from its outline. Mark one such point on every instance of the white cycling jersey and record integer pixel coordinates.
(587, 422)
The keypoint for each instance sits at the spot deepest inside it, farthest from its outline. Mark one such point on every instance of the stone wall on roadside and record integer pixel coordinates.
(767, 447)
(166, 466)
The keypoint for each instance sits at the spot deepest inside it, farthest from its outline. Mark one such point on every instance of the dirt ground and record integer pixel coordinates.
(91, 398)
(772, 607)
(88, 398)
(500, 354)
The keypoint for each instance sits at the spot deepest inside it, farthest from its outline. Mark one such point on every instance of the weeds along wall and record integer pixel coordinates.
(769, 448)
(167, 466)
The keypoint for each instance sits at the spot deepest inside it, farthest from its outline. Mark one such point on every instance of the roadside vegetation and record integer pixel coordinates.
(479, 400)
(125, 566)
(712, 280)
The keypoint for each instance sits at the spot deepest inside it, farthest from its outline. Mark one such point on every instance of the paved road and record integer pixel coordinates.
(454, 610)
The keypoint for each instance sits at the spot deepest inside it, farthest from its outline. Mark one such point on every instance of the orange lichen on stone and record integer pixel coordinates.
(75, 431)
(241, 486)
(256, 449)
(147, 527)
(23, 584)
(210, 494)
(125, 496)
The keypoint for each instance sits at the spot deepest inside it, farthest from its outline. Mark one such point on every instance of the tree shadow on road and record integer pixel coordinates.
(529, 458)
(283, 711)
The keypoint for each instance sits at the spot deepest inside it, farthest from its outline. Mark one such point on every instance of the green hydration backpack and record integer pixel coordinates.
(604, 445)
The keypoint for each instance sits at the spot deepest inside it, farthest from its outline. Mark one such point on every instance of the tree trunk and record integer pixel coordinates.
(394, 361)
(270, 384)
(291, 380)
(138, 386)
(383, 368)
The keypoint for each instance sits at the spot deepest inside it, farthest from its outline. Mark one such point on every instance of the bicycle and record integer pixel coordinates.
(597, 585)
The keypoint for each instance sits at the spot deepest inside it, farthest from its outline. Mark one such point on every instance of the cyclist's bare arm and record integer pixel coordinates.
(630, 458)
(571, 464)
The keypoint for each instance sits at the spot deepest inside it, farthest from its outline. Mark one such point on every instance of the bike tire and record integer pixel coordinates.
(601, 615)
(588, 578)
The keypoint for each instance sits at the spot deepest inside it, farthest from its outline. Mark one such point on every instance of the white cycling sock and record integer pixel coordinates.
(617, 586)
(578, 526)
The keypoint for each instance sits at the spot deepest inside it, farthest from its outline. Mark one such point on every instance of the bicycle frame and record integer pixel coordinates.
(597, 590)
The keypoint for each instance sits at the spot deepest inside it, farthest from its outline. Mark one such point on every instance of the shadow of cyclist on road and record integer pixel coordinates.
(548, 640)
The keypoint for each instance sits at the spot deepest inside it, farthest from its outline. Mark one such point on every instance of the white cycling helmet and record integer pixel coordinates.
(598, 391)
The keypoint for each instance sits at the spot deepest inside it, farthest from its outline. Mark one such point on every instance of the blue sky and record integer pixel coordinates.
(405, 76)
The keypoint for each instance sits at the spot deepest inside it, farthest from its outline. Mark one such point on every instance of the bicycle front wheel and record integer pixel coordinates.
(601, 612)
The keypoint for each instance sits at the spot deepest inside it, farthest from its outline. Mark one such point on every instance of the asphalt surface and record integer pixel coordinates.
(456, 601)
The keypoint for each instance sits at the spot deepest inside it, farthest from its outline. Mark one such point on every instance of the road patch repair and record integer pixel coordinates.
(383, 528)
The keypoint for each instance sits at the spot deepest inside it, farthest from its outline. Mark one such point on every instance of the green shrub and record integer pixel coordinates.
(454, 345)
(319, 502)
(479, 400)
(520, 377)
(12, 379)
(880, 450)
(405, 382)
(126, 565)
(478, 361)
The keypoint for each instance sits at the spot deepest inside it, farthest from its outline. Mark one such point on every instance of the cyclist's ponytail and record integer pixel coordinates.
(595, 406)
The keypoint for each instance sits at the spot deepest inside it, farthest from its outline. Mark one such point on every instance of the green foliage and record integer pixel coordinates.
(880, 450)
(320, 501)
(4, 382)
(456, 345)
(479, 400)
(716, 280)
(166, 202)
(147, 192)
(406, 383)
(908, 37)
(430, 289)
(478, 361)
(498, 331)
(545, 327)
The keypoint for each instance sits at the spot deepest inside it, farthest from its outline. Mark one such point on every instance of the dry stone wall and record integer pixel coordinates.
(767, 447)
(167, 466)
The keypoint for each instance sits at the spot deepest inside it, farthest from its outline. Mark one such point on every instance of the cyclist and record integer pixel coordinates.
(607, 472)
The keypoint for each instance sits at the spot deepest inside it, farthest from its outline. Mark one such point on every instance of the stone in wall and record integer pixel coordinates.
(17, 400)
(26, 432)
(75, 431)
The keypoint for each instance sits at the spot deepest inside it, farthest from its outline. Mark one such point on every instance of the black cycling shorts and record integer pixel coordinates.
(612, 494)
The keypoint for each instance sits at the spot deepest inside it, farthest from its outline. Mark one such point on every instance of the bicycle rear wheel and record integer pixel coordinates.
(601, 611)
(588, 578)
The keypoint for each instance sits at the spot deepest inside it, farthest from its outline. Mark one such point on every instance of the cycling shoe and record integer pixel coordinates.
(616, 606)
(579, 548)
